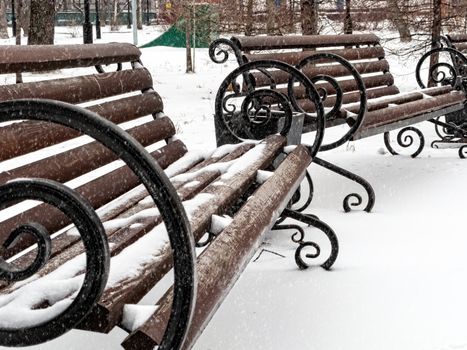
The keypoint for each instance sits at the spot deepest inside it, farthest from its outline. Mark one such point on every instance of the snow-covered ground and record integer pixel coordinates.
(400, 279)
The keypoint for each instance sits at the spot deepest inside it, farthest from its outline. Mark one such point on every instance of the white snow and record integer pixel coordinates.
(135, 315)
(219, 223)
(263, 175)
(400, 279)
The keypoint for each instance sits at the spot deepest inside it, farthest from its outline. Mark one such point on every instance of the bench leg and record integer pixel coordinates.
(299, 237)
(351, 176)
(405, 141)
(451, 133)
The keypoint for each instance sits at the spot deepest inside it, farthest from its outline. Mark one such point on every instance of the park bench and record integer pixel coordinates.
(343, 69)
(103, 232)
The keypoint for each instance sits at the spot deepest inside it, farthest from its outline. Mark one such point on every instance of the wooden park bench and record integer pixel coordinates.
(108, 230)
(344, 68)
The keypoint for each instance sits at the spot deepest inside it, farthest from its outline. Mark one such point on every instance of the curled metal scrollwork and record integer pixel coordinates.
(337, 91)
(463, 152)
(451, 77)
(216, 49)
(299, 238)
(249, 113)
(405, 140)
(88, 224)
(11, 273)
(100, 69)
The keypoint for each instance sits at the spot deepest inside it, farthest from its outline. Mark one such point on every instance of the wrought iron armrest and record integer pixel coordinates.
(221, 47)
(243, 111)
(90, 227)
(332, 82)
(455, 64)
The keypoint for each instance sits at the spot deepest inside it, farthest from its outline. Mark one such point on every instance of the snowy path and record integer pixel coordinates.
(400, 280)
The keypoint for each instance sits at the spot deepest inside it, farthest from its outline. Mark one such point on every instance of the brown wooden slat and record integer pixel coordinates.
(461, 46)
(65, 248)
(67, 165)
(407, 110)
(24, 137)
(50, 57)
(231, 252)
(109, 310)
(347, 85)
(81, 89)
(302, 41)
(281, 77)
(98, 192)
(455, 38)
(351, 97)
(294, 58)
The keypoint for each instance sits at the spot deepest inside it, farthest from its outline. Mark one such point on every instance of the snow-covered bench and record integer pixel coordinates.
(96, 246)
(344, 68)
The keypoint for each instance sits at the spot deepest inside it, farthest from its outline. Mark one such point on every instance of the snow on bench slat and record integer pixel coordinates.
(59, 288)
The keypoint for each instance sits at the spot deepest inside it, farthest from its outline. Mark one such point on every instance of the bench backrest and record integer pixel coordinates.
(362, 50)
(458, 41)
(35, 148)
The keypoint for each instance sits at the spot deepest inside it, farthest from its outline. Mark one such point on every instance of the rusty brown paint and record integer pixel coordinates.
(81, 89)
(50, 57)
(220, 265)
(303, 41)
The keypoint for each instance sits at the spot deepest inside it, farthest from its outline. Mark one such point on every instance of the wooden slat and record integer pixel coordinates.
(231, 252)
(281, 77)
(64, 246)
(303, 41)
(24, 137)
(68, 165)
(294, 58)
(455, 38)
(407, 110)
(109, 310)
(50, 57)
(81, 89)
(98, 192)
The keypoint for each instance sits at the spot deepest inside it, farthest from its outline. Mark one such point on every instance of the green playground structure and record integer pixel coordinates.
(203, 26)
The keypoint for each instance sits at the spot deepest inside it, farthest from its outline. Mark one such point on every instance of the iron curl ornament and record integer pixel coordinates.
(243, 112)
(405, 140)
(444, 73)
(221, 47)
(90, 227)
(335, 89)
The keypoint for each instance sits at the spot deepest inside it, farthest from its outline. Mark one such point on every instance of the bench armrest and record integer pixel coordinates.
(89, 225)
(331, 82)
(451, 69)
(245, 111)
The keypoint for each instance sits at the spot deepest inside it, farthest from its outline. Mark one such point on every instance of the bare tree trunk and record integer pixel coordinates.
(189, 59)
(3, 22)
(396, 17)
(42, 22)
(249, 18)
(271, 14)
(435, 36)
(348, 25)
(23, 14)
(139, 14)
(309, 11)
(114, 20)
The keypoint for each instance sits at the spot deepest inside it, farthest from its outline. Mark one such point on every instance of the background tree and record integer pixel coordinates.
(42, 22)
(3, 21)
(309, 14)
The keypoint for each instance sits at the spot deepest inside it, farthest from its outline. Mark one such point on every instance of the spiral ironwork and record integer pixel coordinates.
(463, 152)
(338, 92)
(100, 69)
(156, 183)
(299, 238)
(216, 49)
(405, 140)
(95, 243)
(454, 78)
(261, 109)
